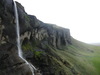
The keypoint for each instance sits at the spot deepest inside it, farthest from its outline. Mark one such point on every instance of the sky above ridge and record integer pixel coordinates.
(82, 17)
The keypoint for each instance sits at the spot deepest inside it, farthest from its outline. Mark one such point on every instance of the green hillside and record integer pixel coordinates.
(49, 48)
(76, 59)
(83, 57)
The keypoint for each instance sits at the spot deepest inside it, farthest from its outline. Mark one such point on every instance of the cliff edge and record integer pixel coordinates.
(38, 40)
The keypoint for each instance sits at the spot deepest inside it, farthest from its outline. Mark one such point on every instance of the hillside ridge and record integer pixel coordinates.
(50, 48)
(36, 39)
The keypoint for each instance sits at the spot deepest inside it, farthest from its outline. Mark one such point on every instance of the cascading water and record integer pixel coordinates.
(18, 39)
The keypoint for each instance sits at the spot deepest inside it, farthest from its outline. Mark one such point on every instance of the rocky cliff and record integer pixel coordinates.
(39, 41)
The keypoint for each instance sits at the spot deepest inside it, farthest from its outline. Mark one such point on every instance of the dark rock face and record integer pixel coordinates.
(53, 35)
(10, 63)
(36, 37)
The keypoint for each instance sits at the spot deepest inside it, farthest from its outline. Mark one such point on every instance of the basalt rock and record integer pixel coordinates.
(36, 38)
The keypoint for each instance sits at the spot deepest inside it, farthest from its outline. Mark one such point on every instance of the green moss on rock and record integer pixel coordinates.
(28, 46)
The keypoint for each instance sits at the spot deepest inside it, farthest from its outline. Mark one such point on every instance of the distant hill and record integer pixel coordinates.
(97, 44)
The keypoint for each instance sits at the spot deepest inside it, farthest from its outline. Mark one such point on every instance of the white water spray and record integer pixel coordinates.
(18, 40)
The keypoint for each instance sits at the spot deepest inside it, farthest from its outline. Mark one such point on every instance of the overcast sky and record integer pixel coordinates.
(82, 17)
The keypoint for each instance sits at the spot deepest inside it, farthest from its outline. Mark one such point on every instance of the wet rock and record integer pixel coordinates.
(33, 31)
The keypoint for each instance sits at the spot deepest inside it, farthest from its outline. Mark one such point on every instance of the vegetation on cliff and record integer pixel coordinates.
(50, 48)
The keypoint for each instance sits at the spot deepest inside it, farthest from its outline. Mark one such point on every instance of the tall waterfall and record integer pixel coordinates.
(18, 39)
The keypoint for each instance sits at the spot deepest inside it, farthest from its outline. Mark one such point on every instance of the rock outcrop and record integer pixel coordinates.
(37, 39)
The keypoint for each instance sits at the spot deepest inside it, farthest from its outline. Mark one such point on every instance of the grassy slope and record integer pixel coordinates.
(76, 59)
(83, 57)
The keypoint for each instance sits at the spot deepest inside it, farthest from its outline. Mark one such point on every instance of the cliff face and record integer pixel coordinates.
(37, 39)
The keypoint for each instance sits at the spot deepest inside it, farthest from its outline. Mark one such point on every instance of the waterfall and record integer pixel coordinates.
(18, 39)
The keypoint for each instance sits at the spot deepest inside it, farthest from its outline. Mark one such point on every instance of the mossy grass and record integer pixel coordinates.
(31, 47)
